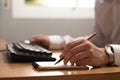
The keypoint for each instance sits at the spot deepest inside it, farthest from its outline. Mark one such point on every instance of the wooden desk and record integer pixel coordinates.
(25, 71)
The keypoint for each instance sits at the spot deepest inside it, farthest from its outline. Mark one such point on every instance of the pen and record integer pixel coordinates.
(90, 37)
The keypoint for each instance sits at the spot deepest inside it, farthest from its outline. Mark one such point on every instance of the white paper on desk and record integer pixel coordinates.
(51, 66)
(59, 66)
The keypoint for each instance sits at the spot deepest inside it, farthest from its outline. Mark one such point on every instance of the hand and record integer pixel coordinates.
(83, 52)
(41, 40)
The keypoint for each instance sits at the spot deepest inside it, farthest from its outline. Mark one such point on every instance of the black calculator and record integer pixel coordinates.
(23, 52)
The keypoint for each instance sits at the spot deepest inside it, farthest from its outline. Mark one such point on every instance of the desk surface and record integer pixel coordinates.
(25, 71)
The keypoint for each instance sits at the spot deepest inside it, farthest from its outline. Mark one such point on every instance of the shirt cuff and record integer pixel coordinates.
(56, 42)
(116, 49)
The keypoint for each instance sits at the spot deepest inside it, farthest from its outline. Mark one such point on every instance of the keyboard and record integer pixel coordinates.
(24, 52)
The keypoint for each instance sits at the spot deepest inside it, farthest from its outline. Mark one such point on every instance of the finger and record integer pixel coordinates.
(76, 49)
(67, 57)
(83, 62)
(79, 56)
(81, 47)
(34, 39)
(71, 45)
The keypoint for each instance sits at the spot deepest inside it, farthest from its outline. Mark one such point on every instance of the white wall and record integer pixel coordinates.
(20, 29)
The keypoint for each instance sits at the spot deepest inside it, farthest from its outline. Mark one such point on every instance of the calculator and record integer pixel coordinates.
(24, 52)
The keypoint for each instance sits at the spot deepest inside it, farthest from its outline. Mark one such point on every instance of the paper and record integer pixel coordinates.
(60, 66)
(51, 66)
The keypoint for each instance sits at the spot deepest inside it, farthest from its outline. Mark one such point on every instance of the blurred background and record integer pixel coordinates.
(19, 19)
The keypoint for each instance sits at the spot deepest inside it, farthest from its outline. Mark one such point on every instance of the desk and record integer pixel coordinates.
(25, 71)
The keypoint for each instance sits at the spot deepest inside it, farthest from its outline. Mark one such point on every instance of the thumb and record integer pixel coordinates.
(32, 40)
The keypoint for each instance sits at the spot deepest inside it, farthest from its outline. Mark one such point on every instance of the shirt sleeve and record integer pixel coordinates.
(116, 49)
(58, 42)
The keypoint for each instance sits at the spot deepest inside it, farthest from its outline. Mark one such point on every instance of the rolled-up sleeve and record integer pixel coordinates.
(58, 42)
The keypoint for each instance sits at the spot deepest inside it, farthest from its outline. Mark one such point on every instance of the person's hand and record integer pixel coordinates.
(83, 52)
(41, 40)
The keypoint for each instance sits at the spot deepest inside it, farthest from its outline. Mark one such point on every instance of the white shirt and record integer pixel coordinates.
(107, 27)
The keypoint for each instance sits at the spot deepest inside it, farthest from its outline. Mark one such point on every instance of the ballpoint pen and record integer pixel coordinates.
(90, 37)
